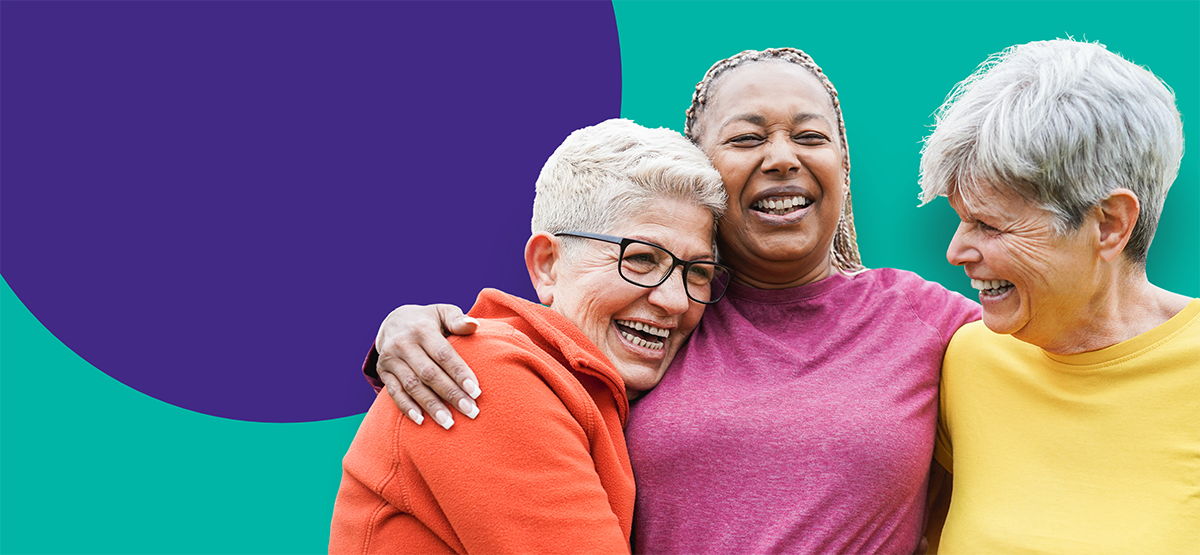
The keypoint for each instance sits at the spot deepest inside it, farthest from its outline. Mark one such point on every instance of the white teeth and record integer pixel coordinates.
(644, 328)
(986, 284)
(642, 342)
(780, 204)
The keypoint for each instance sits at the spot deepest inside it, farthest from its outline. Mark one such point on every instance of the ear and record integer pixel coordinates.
(1116, 216)
(543, 252)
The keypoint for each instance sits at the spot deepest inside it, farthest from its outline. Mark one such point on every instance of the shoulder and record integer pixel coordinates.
(908, 284)
(938, 307)
(512, 362)
(974, 342)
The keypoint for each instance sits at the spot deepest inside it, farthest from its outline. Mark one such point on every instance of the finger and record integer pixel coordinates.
(454, 322)
(402, 400)
(447, 358)
(438, 366)
(433, 375)
(423, 380)
(427, 400)
(411, 346)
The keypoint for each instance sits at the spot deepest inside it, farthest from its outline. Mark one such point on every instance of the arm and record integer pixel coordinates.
(937, 506)
(413, 360)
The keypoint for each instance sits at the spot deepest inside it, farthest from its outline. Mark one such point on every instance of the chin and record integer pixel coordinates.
(1002, 324)
(641, 381)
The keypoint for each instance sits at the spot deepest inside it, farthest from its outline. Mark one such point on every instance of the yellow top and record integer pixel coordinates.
(1091, 453)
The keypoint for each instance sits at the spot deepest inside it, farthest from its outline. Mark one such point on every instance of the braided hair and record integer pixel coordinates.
(845, 240)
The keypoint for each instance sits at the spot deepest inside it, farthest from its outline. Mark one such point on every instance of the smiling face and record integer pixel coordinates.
(1034, 283)
(639, 329)
(771, 132)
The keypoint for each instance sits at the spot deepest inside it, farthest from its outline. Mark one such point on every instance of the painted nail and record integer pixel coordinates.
(472, 388)
(443, 418)
(468, 408)
(415, 415)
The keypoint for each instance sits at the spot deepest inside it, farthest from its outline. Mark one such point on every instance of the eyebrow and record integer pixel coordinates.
(708, 256)
(760, 120)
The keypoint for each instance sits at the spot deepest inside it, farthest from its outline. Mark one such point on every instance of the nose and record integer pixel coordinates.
(780, 155)
(961, 250)
(670, 295)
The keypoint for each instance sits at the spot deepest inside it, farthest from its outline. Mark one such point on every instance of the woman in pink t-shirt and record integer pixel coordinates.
(801, 415)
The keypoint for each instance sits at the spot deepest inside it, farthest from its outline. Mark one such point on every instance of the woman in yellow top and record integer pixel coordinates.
(1070, 417)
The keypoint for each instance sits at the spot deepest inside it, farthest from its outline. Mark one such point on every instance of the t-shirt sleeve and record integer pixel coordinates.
(369, 370)
(520, 478)
(942, 309)
(946, 311)
(942, 451)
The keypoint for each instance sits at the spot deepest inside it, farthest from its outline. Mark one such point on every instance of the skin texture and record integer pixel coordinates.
(1005, 237)
(1072, 292)
(587, 289)
(771, 132)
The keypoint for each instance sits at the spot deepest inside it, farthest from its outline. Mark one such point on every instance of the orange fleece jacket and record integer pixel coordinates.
(542, 469)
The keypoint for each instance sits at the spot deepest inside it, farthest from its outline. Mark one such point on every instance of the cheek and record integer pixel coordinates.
(1035, 257)
(692, 317)
(733, 169)
(826, 165)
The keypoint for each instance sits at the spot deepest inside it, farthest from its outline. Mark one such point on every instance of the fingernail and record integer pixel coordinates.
(415, 415)
(444, 419)
(470, 320)
(468, 408)
(472, 388)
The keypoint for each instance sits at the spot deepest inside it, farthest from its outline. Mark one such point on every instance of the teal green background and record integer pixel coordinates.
(88, 465)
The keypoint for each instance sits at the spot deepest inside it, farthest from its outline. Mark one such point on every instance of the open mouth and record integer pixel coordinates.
(643, 335)
(992, 287)
(779, 206)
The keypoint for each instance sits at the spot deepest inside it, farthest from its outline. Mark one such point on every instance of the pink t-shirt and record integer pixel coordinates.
(797, 421)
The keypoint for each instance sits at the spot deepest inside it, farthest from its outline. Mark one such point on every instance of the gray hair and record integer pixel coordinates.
(605, 174)
(1063, 124)
(845, 240)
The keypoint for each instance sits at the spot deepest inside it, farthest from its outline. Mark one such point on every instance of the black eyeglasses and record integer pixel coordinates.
(649, 265)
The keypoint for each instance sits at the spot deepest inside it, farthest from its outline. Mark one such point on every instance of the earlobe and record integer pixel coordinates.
(542, 254)
(1116, 216)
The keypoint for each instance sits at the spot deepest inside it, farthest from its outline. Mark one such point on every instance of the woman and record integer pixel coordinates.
(613, 203)
(801, 416)
(1071, 415)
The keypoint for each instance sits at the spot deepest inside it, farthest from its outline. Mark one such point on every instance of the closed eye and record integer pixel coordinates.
(746, 140)
(810, 138)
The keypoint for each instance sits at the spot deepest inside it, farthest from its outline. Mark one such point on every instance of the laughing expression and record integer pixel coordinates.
(639, 329)
(1034, 283)
(771, 132)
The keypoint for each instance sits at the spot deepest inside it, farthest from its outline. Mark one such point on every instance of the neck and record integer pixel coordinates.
(768, 274)
(1124, 307)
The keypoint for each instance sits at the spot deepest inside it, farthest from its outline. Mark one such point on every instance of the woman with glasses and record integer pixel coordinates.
(801, 416)
(619, 208)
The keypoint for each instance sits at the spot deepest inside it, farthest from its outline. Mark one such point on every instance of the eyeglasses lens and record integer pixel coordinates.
(648, 266)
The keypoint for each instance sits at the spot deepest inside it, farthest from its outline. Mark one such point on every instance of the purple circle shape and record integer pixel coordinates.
(217, 202)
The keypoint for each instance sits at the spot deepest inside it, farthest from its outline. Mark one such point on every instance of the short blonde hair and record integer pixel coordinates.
(605, 174)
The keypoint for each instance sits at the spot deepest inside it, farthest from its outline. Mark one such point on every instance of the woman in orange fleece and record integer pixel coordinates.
(619, 207)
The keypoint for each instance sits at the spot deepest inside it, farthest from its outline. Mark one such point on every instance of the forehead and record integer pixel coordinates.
(987, 199)
(766, 86)
(674, 224)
